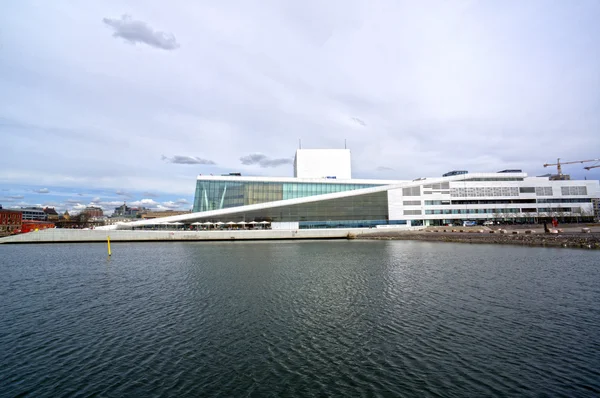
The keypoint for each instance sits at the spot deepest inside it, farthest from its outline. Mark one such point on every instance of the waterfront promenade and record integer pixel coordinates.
(77, 235)
(569, 237)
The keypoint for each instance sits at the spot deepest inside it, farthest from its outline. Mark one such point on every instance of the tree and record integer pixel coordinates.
(537, 215)
(577, 213)
(587, 214)
(81, 220)
(560, 215)
(497, 215)
(513, 216)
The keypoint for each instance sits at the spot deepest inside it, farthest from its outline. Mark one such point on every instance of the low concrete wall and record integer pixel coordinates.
(75, 235)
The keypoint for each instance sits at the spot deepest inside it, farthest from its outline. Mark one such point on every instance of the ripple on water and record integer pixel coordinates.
(299, 318)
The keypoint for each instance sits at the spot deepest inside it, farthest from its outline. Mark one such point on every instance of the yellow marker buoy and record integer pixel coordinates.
(108, 244)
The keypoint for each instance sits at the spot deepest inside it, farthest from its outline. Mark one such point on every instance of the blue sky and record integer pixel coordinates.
(131, 100)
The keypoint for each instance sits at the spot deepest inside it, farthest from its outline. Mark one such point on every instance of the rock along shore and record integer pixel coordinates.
(571, 238)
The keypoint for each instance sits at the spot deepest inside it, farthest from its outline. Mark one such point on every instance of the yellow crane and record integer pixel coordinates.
(558, 164)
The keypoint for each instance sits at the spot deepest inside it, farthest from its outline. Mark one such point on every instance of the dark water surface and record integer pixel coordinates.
(347, 318)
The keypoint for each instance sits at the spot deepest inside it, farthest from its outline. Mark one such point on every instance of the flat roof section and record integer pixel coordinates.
(204, 177)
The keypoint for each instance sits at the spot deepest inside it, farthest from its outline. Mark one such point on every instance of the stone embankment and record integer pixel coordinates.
(572, 237)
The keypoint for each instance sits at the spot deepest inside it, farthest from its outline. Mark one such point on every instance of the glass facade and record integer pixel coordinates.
(349, 224)
(564, 200)
(215, 194)
(471, 211)
(342, 211)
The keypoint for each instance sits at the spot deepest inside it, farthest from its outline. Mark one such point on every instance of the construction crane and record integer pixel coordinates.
(591, 167)
(558, 164)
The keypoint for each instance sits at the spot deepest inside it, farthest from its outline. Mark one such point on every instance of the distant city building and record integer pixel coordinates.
(596, 202)
(117, 220)
(10, 221)
(34, 214)
(123, 209)
(51, 213)
(93, 211)
(99, 220)
(126, 211)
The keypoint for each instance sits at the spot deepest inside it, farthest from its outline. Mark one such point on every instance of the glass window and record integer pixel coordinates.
(214, 195)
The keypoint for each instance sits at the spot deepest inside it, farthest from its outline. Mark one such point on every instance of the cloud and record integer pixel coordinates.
(263, 161)
(237, 89)
(359, 121)
(383, 168)
(151, 195)
(123, 193)
(144, 203)
(110, 203)
(169, 205)
(180, 159)
(15, 197)
(95, 200)
(140, 32)
(22, 204)
(151, 204)
(42, 190)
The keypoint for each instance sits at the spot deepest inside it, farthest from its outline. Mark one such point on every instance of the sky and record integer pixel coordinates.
(112, 101)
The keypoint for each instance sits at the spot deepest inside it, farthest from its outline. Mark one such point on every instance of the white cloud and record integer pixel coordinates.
(169, 205)
(144, 203)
